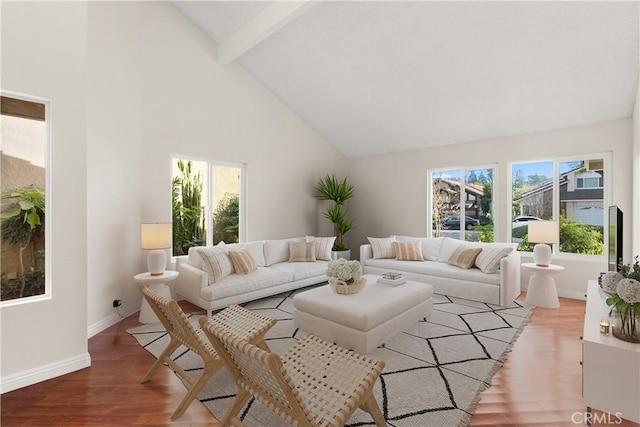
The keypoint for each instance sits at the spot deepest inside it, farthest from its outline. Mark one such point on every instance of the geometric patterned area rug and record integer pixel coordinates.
(434, 372)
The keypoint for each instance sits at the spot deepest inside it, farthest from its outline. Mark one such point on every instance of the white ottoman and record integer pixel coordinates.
(362, 321)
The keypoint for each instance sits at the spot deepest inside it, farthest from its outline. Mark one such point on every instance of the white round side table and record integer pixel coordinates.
(542, 290)
(158, 285)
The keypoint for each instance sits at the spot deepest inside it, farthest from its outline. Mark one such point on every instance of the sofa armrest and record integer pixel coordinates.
(191, 281)
(366, 252)
(509, 278)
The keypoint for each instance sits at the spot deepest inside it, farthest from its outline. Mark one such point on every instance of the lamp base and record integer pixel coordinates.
(156, 262)
(542, 255)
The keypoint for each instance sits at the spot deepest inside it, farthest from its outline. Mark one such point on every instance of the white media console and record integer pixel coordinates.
(610, 366)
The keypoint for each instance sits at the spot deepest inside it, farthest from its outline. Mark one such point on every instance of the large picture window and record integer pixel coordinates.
(572, 192)
(207, 203)
(462, 203)
(24, 148)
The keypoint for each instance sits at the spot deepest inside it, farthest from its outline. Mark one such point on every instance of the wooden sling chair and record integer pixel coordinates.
(235, 320)
(315, 383)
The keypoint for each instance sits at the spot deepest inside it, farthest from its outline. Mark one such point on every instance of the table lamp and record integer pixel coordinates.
(156, 238)
(543, 233)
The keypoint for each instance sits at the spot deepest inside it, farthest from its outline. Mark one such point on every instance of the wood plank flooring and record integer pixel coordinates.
(540, 383)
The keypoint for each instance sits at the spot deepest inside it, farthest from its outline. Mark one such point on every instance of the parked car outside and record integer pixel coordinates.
(521, 220)
(453, 222)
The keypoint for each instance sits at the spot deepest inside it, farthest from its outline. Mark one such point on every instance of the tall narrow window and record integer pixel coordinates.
(24, 180)
(462, 204)
(207, 199)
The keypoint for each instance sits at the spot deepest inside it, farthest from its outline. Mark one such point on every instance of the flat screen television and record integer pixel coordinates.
(615, 238)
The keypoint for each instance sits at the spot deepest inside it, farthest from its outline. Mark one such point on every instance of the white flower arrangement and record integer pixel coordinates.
(347, 271)
(623, 289)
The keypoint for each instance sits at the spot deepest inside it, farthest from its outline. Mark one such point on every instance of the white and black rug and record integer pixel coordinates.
(434, 371)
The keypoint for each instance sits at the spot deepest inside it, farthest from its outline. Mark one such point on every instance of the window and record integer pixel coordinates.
(569, 191)
(470, 219)
(207, 203)
(25, 243)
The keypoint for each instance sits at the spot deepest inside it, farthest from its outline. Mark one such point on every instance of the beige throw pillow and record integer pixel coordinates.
(242, 261)
(216, 263)
(382, 247)
(324, 246)
(408, 251)
(302, 251)
(489, 259)
(464, 257)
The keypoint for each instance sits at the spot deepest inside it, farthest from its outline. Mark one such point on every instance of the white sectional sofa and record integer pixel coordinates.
(501, 287)
(273, 273)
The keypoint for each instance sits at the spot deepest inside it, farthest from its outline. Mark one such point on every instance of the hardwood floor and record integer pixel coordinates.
(540, 383)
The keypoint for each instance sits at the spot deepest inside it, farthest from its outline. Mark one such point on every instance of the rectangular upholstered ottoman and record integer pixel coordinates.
(362, 321)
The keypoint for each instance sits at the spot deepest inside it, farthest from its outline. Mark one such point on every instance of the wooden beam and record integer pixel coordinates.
(267, 22)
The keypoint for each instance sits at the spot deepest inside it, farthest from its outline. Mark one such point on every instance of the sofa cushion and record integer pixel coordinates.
(324, 246)
(302, 251)
(464, 257)
(430, 245)
(302, 270)
(382, 247)
(408, 251)
(488, 261)
(215, 262)
(242, 261)
(236, 284)
(256, 249)
(449, 246)
(438, 269)
(277, 250)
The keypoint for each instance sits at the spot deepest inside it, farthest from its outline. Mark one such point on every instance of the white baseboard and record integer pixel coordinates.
(43, 373)
(563, 293)
(124, 311)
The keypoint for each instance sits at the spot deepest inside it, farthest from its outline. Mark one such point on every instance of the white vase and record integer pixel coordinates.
(341, 254)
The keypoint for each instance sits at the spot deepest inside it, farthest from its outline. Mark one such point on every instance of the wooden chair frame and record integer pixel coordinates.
(300, 386)
(234, 319)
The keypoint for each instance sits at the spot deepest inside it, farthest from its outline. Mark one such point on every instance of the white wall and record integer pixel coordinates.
(156, 90)
(44, 53)
(636, 175)
(392, 190)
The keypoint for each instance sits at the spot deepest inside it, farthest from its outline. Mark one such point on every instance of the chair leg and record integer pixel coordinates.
(230, 417)
(371, 406)
(195, 389)
(173, 345)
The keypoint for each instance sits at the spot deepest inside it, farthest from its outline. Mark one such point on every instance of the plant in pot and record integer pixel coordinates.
(332, 189)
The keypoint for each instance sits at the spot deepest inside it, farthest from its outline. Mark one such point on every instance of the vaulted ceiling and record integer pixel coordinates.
(376, 77)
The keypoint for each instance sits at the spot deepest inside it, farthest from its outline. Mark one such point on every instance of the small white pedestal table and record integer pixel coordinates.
(542, 290)
(158, 285)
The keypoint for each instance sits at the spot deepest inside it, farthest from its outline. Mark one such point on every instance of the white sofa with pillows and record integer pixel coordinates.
(485, 272)
(213, 277)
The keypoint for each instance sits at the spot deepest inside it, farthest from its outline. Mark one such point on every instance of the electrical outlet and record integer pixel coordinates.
(117, 303)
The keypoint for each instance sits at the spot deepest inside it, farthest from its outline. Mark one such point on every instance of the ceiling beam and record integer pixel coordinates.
(271, 19)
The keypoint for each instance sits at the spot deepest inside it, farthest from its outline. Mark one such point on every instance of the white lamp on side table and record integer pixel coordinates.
(543, 233)
(156, 238)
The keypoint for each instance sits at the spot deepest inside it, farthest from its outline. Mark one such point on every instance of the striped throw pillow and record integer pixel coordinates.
(408, 251)
(216, 263)
(382, 247)
(302, 251)
(242, 261)
(324, 246)
(464, 257)
(489, 259)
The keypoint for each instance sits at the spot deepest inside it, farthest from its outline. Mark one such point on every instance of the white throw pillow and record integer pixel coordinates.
(489, 259)
(382, 247)
(216, 262)
(324, 246)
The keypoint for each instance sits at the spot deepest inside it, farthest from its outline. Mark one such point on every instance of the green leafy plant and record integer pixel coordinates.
(187, 210)
(226, 219)
(23, 221)
(332, 189)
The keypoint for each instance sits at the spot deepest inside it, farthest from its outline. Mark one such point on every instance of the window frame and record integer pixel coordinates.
(48, 229)
(242, 233)
(607, 190)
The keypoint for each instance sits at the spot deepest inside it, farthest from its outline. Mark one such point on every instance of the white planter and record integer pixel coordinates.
(341, 254)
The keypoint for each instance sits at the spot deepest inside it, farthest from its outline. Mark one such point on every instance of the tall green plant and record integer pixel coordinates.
(332, 189)
(226, 217)
(22, 220)
(188, 212)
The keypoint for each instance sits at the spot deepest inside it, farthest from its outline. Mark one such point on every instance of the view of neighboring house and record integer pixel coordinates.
(580, 196)
(448, 194)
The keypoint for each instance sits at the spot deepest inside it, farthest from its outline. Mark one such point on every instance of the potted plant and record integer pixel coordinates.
(338, 192)
(623, 289)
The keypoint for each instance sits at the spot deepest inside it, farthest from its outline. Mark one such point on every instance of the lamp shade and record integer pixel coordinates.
(156, 236)
(543, 232)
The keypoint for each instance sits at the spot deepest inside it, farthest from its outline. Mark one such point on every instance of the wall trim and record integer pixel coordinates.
(103, 324)
(43, 373)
